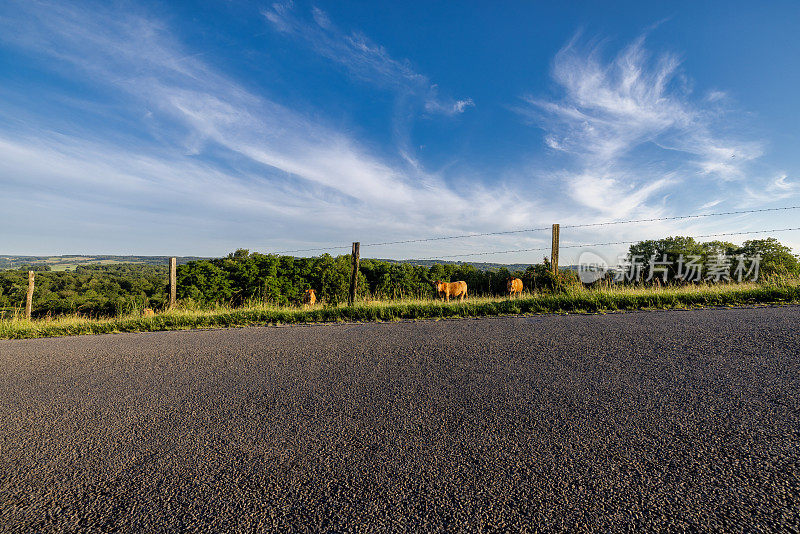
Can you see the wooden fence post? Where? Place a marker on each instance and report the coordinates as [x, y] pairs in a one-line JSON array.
[[29, 299], [554, 252], [173, 276], [356, 259]]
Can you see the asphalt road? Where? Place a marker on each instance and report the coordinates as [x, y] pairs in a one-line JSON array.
[[654, 420]]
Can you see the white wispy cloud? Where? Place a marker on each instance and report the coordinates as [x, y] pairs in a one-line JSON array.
[[295, 165], [716, 96], [454, 108], [711, 204], [212, 158], [778, 188], [632, 129], [363, 58]]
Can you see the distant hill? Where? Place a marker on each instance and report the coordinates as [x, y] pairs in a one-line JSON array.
[[70, 261], [481, 266]]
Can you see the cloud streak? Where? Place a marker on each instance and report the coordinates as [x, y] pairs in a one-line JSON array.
[[235, 151], [630, 129], [361, 57], [210, 157]]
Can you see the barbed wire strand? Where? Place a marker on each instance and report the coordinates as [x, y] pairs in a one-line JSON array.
[[525, 230], [600, 244]]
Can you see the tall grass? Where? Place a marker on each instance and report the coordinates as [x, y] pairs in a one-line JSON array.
[[572, 300]]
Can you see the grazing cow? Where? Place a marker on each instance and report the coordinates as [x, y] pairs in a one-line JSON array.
[[514, 286], [310, 297], [451, 289]]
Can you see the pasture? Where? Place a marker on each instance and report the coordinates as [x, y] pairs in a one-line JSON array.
[[572, 300]]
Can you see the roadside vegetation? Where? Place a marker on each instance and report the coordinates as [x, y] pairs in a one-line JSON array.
[[248, 289], [576, 299]]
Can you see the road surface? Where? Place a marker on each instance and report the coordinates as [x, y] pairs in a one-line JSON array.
[[661, 420]]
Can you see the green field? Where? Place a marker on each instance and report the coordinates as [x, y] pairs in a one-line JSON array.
[[69, 262], [107, 294], [70, 266], [574, 300]]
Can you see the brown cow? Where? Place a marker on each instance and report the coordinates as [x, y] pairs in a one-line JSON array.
[[451, 289], [514, 286], [310, 297]]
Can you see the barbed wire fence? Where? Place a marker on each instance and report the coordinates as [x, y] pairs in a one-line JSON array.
[[540, 229], [555, 239], [355, 247]]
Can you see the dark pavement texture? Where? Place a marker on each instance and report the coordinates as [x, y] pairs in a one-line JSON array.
[[668, 421]]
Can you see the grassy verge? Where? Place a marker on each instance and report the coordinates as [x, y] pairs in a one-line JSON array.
[[577, 300]]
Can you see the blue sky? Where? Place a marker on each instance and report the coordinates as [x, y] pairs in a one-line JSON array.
[[198, 128]]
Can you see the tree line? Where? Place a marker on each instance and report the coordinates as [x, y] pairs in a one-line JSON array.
[[243, 277], [671, 255], [94, 290]]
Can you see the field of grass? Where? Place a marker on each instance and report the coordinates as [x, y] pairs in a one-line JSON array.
[[70, 262], [578, 300]]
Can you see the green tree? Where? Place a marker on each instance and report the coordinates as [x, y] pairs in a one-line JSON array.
[[776, 259]]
